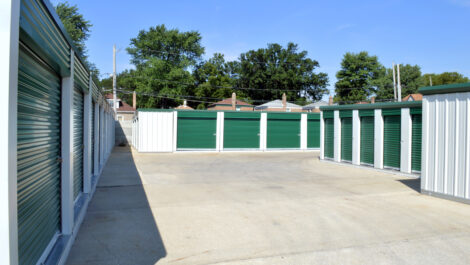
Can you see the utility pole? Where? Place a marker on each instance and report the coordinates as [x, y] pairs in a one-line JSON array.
[[114, 79], [394, 84], [430, 81], [398, 82]]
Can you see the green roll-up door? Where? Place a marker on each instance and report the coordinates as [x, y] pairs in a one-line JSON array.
[[77, 142], [92, 138], [367, 140], [392, 139], [283, 130], [346, 139], [241, 130], [38, 153], [196, 130], [416, 142], [329, 135], [313, 130]]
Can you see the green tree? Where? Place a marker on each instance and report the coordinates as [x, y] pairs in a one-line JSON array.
[[275, 70], [76, 25], [163, 58], [444, 78], [411, 81], [79, 30], [358, 77], [215, 79]]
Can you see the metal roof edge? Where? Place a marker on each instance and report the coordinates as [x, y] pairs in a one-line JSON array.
[[388, 105], [444, 89]]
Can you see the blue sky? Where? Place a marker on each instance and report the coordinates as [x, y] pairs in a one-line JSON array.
[[433, 34]]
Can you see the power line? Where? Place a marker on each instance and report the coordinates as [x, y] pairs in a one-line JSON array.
[[181, 97]]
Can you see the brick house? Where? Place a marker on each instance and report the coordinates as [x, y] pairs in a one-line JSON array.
[[231, 104]]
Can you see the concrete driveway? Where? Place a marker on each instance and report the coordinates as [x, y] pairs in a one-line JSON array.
[[264, 208]]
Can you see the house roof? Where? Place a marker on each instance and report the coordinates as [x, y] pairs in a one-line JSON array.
[[228, 101], [315, 105], [183, 107], [278, 104], [123, 106], [413, 97]]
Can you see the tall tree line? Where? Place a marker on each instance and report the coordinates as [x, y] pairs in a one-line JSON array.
[[362, 76], [169, 68]]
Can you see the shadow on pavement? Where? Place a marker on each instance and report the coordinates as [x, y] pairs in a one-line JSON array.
[[414, 184], [119, 227]]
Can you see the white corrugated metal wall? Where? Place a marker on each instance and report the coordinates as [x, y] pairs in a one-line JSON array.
[[446, 145]]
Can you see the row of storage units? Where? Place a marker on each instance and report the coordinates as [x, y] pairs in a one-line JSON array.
[[169, 131], [60, 133], [383, 135]]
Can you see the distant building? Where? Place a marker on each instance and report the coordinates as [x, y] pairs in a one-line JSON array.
[[184, 106], [315, 106], [279, 105], [124, 112], [231, 104], [124, 115], [413, 97]]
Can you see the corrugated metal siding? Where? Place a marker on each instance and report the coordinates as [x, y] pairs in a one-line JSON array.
[[241, 129], [446, 170], [329, 135], [392, 141], [367, 139], [38, 152], [328, 114], [92, 137], [196, 130], [77, 142], [157, 135], [39, 29], [80, 77], [313, 133], [345, 114], [346, 139], [283, 130], [416, 137], [366, 113]]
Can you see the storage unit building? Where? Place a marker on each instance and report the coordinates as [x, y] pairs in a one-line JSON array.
[[197, 130], [416, 138], [329, 134], [164, 130], [445, 157], [346, 135], [313, 130], [392, 138], [367, 137], [283, 131], [378, 135], [47, 154], [241, 130]]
